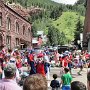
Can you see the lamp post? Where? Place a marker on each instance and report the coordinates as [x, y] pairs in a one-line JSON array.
[[81, 39]]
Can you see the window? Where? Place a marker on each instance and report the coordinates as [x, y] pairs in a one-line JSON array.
[[17, 27], [8, 41], [23, 30], [29, 32], [0, 19], [8, 23], [17, 41]]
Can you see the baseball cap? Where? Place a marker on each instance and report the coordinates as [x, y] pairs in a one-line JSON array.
[[10, 68]]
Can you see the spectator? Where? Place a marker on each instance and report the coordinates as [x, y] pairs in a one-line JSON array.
[[88, 80], [77, 85], [0, 72], [35, 82], [55, 83], [66, 80], [8, 83]]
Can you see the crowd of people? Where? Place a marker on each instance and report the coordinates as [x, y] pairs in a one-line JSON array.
[[38, 72]]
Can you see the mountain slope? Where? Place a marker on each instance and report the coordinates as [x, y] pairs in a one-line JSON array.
[[81, 2], [44, 2], [67, 23]]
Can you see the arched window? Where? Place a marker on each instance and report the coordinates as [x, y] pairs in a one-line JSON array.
[[0, 19], [8, 23], [29, 31], [23, 30], [17, 41], [17, 27], [8, 41]]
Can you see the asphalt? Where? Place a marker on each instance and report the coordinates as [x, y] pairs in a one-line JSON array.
[[76, 77]]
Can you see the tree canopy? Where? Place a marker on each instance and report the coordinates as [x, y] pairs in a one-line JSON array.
[[61, 23]]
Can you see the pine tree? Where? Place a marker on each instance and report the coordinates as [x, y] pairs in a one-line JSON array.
[[79, 29], [52, 35]]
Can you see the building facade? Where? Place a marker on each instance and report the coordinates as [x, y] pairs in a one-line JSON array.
[[86, 32], [15, 30]]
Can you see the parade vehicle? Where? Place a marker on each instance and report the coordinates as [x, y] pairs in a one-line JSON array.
[[38, 50], [62, 48], [23, 77]]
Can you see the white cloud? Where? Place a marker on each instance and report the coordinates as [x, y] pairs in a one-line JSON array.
[[65, 1]]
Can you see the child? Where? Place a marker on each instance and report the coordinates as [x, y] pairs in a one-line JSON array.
[[55, 83]]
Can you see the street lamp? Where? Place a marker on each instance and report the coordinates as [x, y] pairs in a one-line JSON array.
[[81, 39]]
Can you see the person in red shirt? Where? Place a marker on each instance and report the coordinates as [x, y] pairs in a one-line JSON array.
[[40, 66], [19, 64], [64, 61], [32, 64]]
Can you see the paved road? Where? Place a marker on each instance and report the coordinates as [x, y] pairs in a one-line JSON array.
[[76, 77], [55, 70]]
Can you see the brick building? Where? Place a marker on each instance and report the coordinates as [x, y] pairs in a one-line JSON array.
[[15, 30], [86, 32]]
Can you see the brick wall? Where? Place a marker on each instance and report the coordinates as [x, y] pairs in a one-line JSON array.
[[14, 17], [86, 32]]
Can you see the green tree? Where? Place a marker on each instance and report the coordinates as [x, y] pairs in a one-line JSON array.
[[61, 38], [34, 31], [80, 2], [78, 30], [52, 35], [56, 37], [56, 12]]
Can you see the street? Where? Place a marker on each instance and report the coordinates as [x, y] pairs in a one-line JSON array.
[[37, 34], [76, 77]]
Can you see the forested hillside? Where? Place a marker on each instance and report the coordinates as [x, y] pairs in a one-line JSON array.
[[81, 2], [58, 21], [68, 27]]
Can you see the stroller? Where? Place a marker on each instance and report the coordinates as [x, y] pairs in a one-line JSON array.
[[23, 77]]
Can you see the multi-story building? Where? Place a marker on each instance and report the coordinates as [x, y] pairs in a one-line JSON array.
[[15, 30], [86, 32]]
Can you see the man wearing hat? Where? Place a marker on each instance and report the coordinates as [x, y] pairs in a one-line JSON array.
[[8, 83]]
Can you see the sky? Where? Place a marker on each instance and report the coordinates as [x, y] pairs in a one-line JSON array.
[[66, 1]]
